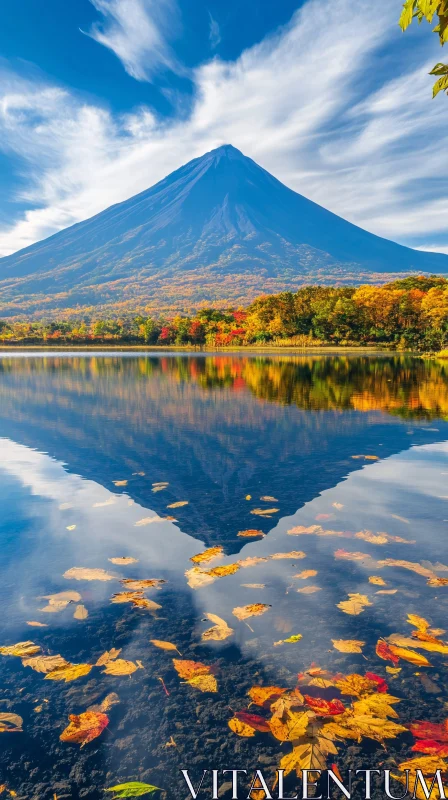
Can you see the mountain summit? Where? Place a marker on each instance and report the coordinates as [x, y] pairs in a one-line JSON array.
[[218, 230]]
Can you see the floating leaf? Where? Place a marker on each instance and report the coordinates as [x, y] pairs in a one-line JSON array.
[[120, 483], [295, 554], [109, 655], [254, 720], [431, 647], [254, 610], [57, 602], [259, 695], [348, 555], [179, 504], [197, 577], [123, 560], [164, 645], [81, 612], [120, 667], [254, 585], [355, 684], [418, 622], [20, 649], [376, 728], [205, 683], [339, 506], [309, 755], [437, 731], [69, 673], [355, 604], [137, 599], [410, 655], [410, 565], [376, 705], [240, 728], [85, 574], [393, 670], [291, 726], [208, 555], [147, 521], [348, 645], [220, 630], [137, 585], [291, 640], [10, 722], [387, 591], [132, 789], [302, 529], [188, 669], [45, 664], [325, 708], [377, 580], [251, 561], [264, 512], [83, 728], [251, 533], [384, 651], [306, 573], [34, 624], [309, 590]]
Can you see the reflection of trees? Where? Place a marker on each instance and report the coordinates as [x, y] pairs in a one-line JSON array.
[[401, 385]]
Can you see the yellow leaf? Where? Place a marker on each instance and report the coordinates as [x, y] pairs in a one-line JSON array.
[[34, 624], [220, 630], [71, 527], [302, 529], [431, 647], [7, 720], [109, 655], [45, 664], [308, 755], [355, 604], [208, 555], [240, 728], [289, 727], [20, 649], [309, 589], [251, 533], [81, 612], [355, 684], [306, 573], [70, 673], [418, 622], [248, 497], [123, 560], [377, 581], [296, 554], [251, 561], [205, 683], [348, 645], [119, 667], [84, 574], [376, 705], [134, 584], [368, 536], [376, 728], [197, 577], [284, 703], [290, 640], [387, 591], [179, 504], [164, 645], [264, 512], [413, 567], [254, 610], [410, 655], [57, 602], [393, 670], [260, 694], [120, 483]]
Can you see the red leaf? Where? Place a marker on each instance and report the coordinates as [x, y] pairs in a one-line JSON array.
[[430, 747], [381, 683], [325, 708], [254, 720], [437, 731], [383, 651]]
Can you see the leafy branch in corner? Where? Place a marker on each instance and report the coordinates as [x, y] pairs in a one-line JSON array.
[[429, 9]]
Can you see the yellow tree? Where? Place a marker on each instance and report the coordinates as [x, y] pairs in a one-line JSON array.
[[430, 10]]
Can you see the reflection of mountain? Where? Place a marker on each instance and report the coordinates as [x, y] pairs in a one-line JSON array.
[[195, 423]]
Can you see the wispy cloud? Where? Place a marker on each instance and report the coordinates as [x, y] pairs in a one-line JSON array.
[[137, 31], [214, 33], [305, 103]]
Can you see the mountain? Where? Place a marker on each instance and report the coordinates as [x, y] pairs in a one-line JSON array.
[[218, 230]]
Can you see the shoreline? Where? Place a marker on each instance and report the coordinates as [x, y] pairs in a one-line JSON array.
[[16, 347]]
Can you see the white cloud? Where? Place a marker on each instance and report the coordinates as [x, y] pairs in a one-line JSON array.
[[305, 104], [137, 32]]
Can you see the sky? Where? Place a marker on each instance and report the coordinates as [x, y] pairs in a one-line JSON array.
[[100, 99]]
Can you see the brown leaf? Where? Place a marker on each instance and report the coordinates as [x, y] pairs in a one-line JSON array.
[[253, 610], [45, 664], [220, 630], [348, 645], [85, 574], [123, 560], [83, 728]]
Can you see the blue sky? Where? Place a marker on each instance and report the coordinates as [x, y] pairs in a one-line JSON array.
[[99, 99]]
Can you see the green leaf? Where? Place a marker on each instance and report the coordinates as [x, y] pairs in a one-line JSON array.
[[132, 789]]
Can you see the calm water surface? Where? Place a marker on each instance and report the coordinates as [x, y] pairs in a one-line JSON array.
[[355, 446]]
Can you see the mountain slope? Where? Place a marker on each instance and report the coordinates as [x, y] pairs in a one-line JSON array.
[[220, 229]]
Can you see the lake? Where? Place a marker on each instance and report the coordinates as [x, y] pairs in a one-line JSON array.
[[117, 470]]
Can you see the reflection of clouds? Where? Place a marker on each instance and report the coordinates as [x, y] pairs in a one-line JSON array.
[[106, 527]]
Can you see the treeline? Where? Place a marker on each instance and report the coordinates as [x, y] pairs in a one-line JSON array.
[[408, 313]]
